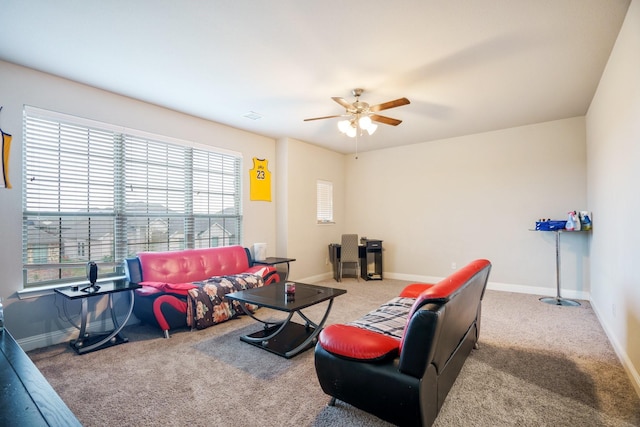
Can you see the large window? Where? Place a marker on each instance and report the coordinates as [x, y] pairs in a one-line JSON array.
[[94, 192]]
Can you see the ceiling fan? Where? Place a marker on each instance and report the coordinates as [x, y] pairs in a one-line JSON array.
[[360, 115]]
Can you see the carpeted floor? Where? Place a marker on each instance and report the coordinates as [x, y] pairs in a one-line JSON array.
[[538, 365]]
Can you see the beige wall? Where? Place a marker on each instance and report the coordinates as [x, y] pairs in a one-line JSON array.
[[20, 86], [454, 200], [613, 149], [300, 236]]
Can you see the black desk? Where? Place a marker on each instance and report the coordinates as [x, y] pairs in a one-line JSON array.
[[370, 254], [86, 342], [276, 260], [26, 398]]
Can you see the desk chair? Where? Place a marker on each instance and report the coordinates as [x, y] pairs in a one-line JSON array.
[[349, 254]]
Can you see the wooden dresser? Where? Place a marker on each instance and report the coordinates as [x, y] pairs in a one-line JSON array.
[[26, 398]]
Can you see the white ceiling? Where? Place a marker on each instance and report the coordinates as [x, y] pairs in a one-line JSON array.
[[466, 66]]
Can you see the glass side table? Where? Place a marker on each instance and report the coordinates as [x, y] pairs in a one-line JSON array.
[[273, 261], [89, 342], [558, 300]]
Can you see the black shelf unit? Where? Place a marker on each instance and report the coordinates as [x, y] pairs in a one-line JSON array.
[[371, 259]]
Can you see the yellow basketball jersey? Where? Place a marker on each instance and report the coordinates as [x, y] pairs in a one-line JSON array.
[[5, 144], [260, 180]]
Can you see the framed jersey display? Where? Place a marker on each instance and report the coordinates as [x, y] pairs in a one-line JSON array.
[[260, 181]]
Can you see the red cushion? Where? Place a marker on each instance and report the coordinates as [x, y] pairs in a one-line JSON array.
[[357, 343], [145, 291], [260, 270], [171, 288], [191, 265], [412, 291]]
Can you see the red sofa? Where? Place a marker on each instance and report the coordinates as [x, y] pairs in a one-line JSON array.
[[167, 278], [399, 361]]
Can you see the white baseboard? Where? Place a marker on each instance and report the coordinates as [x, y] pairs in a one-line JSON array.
[[633, 374], [66, 335], [314, 279], [535, 290], [496, 286], [412, 277], [45, 340]]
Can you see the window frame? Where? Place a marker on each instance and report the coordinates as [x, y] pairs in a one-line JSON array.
[[212, 179], [324, 202]]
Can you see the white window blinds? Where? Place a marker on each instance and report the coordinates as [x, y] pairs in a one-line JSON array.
[[324, 202], [93, 192]]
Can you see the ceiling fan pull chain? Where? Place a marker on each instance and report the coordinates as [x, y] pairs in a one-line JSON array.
[[356, 145]]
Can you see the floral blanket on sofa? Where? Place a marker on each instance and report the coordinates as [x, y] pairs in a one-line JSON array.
[[207, 305]]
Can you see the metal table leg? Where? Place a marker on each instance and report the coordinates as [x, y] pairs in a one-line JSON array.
[[287, 338], [558, 300], [86, 343], [286, 275]]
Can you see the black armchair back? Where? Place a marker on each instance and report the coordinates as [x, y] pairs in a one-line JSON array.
[[442, 329]]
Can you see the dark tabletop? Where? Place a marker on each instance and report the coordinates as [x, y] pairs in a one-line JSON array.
[[105, 288], [274, 296], [273, 260]]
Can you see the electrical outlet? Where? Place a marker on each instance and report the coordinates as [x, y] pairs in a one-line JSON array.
[[326, 261], [453, 265]]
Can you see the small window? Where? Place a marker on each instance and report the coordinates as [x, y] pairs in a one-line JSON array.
[[324, 191]]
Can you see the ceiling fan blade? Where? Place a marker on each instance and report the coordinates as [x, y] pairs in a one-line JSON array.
[[342, 102], [385, 120], [320, 118], [390, 104]]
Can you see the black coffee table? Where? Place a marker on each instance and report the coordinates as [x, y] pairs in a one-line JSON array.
[[286, 338]]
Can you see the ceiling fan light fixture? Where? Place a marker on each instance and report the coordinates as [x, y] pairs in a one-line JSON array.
[[365, 122], [360, 116]]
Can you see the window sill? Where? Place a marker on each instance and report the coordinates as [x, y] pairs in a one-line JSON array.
[[39, 291]]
